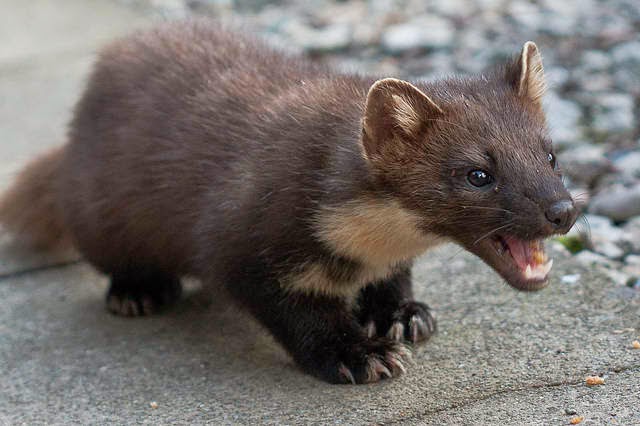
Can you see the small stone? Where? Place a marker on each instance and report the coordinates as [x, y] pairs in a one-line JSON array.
[[558, 25], [556, 76], [330, 38], [633, 270], [609, 249], [627, 53], [153, 405], [603, 237], [589, 258], [635, 344], [563, 117], [613, 113], [632, 259], [426, 33], [632, 230], [570, 278], [628, 164], [626, 71], [619, 204], [595, 60], [441, 63], [592, 81], [576, 420], [585, 163], [618, 277], [570, 412], [453, 8], [525, 14]]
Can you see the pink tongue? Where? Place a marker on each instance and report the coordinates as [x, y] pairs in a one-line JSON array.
[[520, 251]]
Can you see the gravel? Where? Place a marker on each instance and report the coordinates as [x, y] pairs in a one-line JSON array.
[[425, 33], [613, 112]]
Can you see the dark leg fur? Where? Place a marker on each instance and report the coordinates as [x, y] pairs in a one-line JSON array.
[[387, 309], [136, 293], [321, 333]]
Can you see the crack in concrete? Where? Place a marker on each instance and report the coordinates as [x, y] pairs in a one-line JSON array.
[[455, 406], [23, 272]]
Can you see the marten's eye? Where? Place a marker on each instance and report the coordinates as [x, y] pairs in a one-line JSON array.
[[552, 160], [479, 178]]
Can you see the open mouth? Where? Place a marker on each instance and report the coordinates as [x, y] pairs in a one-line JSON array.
[[524, 264]]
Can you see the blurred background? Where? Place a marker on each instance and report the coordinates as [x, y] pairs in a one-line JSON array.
[[591, 52]]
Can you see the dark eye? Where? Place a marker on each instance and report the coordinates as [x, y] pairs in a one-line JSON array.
[[479, 178], [552, 160]]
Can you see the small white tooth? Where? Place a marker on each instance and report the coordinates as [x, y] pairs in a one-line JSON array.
[[547, 267], [527, 272]]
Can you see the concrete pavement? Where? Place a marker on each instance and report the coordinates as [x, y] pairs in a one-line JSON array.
[[501, 357]]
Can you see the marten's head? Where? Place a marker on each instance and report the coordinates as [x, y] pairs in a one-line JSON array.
[[474, 159]]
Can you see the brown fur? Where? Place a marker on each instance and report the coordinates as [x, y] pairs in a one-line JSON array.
[[130, 187], [29, 209], [198, 151]]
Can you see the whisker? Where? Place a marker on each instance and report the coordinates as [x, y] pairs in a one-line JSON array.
[[487, 208], [492, 231], [583, 220]]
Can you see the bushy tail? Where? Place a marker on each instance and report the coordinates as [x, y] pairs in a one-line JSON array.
[[29, 209]]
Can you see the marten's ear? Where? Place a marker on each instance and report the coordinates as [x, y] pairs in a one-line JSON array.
[[526, 75], [394, 108]]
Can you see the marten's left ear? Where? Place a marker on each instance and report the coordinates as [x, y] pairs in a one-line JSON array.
[[527, 74], [395, 109]]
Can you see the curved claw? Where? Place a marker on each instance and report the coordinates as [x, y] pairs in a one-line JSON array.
[[346, 373]]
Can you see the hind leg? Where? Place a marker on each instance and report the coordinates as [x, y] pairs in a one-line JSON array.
[[141, 292]]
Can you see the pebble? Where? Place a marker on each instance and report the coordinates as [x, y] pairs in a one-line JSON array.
[[632, 230], [525, 13], [613, 112], [563, 117], [620, 204], [330, 38], [628, 164], [601, 236], [618, 277], [627, 53], [556, 76], [570, 278], [426, 33], [584, 163], [589, 258], [595, 60]]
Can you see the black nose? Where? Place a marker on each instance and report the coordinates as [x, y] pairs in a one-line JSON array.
[[562, 214]]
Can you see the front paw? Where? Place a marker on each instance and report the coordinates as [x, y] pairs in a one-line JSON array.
[[412, 321], [370, 361]]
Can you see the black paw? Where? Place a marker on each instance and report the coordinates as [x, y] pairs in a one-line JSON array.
[[412, 321], [134, 298], [369, 361]]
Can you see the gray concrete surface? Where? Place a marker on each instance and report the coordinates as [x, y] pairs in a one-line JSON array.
[[501, 357]]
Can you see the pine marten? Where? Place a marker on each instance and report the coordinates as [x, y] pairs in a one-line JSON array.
[[305, 192]]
